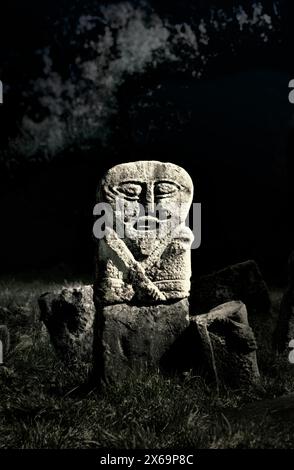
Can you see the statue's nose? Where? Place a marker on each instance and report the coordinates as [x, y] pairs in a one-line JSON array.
[[150, 198]]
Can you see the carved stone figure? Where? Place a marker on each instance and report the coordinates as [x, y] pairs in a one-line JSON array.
[[143, 266], [140, 317], [144, 255]]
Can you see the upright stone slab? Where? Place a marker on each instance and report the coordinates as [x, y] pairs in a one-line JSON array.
[[69, 317], [223, 344], [143, 265]]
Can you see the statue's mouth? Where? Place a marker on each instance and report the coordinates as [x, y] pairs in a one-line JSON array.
[[149, 223]]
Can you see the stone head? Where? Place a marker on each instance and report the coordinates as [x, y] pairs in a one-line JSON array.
[[147, 195]]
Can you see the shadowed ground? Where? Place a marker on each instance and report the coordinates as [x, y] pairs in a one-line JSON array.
[[41, 405]]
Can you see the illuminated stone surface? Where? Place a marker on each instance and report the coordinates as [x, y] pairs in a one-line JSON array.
[[152, 262], [143, 267]]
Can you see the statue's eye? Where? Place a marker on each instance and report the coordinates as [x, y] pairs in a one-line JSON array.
[[165, 189], [130, 190]]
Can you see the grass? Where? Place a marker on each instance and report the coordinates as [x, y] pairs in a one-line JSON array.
[[41, 406]]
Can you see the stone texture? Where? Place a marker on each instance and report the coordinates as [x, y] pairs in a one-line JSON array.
[[69, 316], [140, 320], [133, 338], [144, 255], [143, 267], [219, 345], [5, 342], [242, 281], [223, 344], [284, 332]]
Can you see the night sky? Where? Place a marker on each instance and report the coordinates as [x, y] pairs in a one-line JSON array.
[[88, 85]]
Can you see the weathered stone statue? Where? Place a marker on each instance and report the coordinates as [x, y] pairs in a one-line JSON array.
[[144, 255], [140, 317], [143, 265]]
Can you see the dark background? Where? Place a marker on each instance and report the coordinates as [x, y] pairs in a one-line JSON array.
[[231, 129]]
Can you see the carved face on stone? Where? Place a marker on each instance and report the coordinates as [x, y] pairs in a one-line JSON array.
[[144, 253], [147, 196]]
